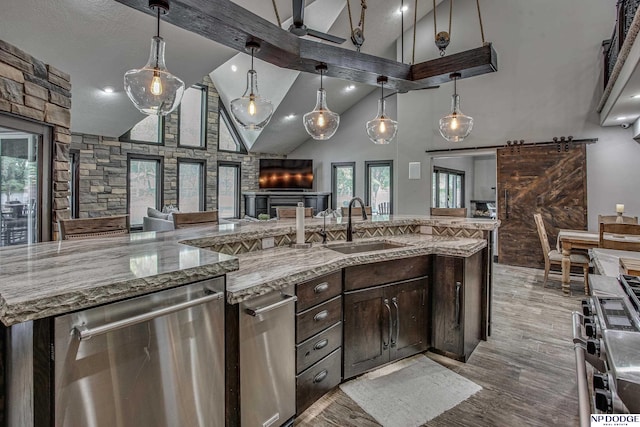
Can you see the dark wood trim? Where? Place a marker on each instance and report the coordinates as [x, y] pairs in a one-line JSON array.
[[204, 111], [74, 190], [232, 364], [334, 181], [516, 144], [231, 25], [202, 205]]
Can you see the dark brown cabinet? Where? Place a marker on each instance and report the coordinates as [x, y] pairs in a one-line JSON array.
[[457, 299], [318, 338], [385, 323]]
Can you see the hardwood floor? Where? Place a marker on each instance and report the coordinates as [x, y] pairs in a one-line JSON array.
[[526, 368]]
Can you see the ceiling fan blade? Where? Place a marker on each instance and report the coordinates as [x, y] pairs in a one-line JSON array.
[[298, 13], [325, 36]]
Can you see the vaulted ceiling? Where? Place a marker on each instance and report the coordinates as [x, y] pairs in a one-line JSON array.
[[96, 41]]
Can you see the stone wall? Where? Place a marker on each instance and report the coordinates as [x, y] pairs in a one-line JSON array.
[[33, 90], [103, 164]]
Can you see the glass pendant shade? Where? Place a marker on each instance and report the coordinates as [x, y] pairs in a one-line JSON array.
[[382, 129], [251, 111], [455, 126], [321, 123], [152, 88]]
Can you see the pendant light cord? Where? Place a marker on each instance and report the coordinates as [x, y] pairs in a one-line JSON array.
[[480, 19], [321, 70], [415, 18], [158, 30], [275, 8], [435, 26], [252, 49]]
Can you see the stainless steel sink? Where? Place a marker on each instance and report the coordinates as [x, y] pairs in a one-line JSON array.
[[357, 247]]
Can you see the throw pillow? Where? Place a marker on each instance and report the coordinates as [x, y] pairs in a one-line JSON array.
[[155, 213]]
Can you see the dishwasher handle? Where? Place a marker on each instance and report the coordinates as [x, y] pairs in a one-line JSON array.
[[261, 310], [83, 332]]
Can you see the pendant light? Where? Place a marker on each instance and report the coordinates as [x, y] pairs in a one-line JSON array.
[[321, 123], [153, 89], [455, 126], [251, 111], [382, 129]]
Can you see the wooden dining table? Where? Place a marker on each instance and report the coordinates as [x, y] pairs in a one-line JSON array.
[[574, 239], [580, 239]]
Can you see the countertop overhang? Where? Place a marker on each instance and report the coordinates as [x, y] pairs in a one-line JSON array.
[[52, 278]]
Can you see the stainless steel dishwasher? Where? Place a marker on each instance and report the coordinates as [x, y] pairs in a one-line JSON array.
[[267, 360], [151, 361]]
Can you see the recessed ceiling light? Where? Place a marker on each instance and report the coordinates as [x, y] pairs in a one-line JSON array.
[[108, 89], [234, 68], [290, 116], [635, 96], [402, 9], [350, 88], [621, 118]]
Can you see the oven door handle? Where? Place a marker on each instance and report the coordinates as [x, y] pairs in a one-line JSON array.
[[584, 405], [83, 332], [575, 326]]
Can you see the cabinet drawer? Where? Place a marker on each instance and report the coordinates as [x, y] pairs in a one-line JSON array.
[[312, 321], [318, 290], [318, 346], [317, 380], [379, 273]]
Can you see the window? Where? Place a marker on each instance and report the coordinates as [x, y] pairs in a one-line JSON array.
[[25, 181], [228, 190], [228, 137], [74, 182], [191, 185], [192, 122], [343, 179], [379, 185], [448, 188], [144, 186], [146, 131]]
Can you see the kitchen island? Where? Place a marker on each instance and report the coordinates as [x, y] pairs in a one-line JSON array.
[[54, 278]]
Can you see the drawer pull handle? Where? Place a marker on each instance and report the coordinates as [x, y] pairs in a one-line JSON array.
[[321, 376], [321, 316], [321, 344], [322, 287]]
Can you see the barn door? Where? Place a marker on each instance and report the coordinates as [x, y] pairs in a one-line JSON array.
[[550, 179]]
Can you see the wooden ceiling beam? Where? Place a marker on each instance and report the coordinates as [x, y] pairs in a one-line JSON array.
[[231, 25]]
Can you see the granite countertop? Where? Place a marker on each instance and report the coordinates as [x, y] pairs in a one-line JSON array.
[[607, 261], [52, 278], [272, 269]]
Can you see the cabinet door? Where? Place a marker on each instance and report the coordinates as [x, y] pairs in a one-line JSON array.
[[448, 305], [366, 330], [409, 325]]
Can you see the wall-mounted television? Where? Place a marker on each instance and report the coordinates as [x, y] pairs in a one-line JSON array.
[[286, 174]]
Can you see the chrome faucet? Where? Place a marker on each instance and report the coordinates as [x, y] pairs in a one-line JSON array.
[[364, 216]]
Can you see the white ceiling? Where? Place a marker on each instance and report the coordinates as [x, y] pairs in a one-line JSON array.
[[96, 41]]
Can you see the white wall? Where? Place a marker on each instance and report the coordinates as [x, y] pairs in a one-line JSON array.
[[484, 178], [547, 84]]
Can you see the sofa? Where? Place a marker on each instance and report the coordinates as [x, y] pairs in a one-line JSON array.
[[157, 220]]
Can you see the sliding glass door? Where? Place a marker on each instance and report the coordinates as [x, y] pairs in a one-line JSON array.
[[19, 192]]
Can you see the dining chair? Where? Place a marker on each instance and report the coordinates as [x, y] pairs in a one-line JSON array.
[[611, 219], [554, 257], [93, 228], [355, 211], [624, 237], [290, 212], [384, 208], [194, 219], [457, 212]]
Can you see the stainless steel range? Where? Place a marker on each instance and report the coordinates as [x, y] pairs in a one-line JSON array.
[[611, 323]]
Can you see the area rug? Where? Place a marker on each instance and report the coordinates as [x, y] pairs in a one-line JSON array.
[[410, 392]]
